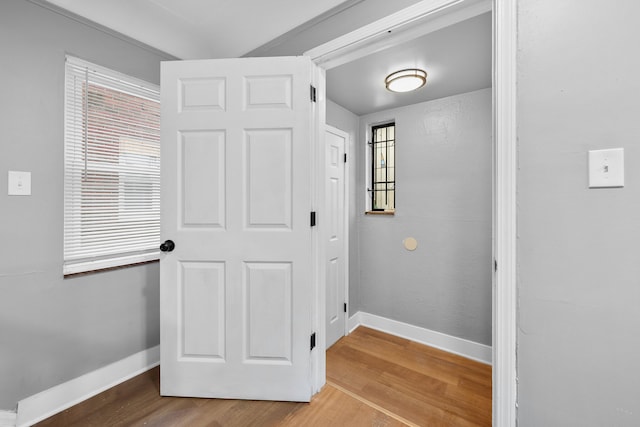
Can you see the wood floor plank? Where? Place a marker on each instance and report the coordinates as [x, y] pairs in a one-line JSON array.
[[422, 383], [373, 379], [333, 407], [375, 345]]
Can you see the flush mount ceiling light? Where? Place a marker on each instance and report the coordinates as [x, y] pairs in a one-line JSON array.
[[406, 80]]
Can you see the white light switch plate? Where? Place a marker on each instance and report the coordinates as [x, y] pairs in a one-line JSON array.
[[606, 168], [19, 183]]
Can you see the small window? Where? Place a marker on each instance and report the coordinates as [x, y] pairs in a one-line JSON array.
[[112, 169], [383, 178]]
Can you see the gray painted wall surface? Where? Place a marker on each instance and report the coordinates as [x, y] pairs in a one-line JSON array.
[[578, 249], [54, 329], [335, 23], [443, 199], [348, 122]]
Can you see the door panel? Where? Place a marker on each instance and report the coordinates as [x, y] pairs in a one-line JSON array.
[[335, 236], [202, 310], [269, 92], [203, 181], [268, 307], [202, 94], [268, 154], [237, 291], [334, 299]]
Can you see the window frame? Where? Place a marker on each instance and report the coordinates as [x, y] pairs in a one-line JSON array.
[[136, 154], [372, 167]]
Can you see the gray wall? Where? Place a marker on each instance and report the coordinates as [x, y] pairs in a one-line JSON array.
[[443, 199], [348, 122], [54, 329], [344, 18], [578, 249]]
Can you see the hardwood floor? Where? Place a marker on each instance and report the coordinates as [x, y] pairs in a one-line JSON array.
[[373, 379]]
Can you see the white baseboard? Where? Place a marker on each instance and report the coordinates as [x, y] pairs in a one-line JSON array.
[[469, 349], [7, 418], [354, 321], [40, 406]]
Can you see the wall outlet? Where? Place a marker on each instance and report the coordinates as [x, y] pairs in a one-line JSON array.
[[19, 183], [606, 168]]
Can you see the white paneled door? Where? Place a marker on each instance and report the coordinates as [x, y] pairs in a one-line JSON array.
[[237, 293], [335, 234]]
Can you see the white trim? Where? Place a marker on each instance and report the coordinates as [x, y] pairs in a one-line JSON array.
[[116, 261], [347, 203], [7, 418], [505, 212], [407, 24], [462, 347], [40, 406], [354, 321], [319, 355]]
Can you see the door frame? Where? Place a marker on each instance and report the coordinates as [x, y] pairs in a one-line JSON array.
[[318, 306], [345, 248], [424, 17]]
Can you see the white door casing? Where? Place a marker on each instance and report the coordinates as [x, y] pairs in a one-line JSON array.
[[335, 236], [424, 17], [427, 16], [237, 295]]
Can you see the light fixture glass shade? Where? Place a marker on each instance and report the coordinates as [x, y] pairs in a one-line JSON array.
[[406, 80]]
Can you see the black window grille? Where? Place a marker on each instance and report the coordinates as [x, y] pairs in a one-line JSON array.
[[383, 181]]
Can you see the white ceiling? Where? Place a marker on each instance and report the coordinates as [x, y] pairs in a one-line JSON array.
[[457, 58], [198, 29]]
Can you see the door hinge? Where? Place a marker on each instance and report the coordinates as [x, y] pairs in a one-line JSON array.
[[313, 94], [313, 219], [345, 157], [313, 341], [345, 307]]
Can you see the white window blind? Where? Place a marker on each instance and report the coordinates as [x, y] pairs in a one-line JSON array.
[[112, 168]]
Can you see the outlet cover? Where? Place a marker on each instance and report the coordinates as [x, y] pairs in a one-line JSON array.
[[606, 168], [19, 183]]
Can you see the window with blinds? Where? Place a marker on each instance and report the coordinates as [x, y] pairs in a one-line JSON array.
[[112, 169]]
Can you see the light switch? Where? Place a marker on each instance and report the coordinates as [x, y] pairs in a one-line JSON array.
[[606, 168], [19, 183]]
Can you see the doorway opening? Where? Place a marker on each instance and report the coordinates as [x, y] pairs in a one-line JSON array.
[[408, 24]]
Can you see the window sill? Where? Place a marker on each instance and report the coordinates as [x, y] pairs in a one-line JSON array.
[[112, 263], [102, 270], [380, 213]]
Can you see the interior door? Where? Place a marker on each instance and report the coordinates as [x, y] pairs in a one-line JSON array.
[[335, 234], [236, 292]]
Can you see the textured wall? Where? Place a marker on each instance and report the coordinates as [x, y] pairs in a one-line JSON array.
[[54, 329], [578, 249], [443, 199]]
